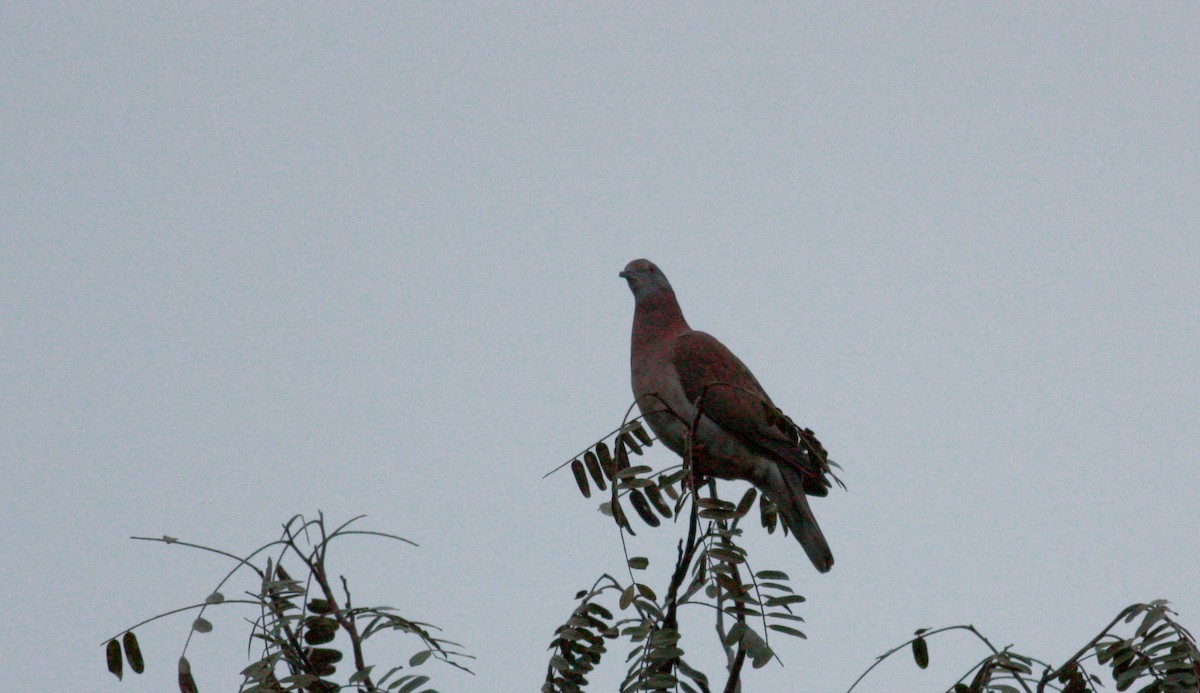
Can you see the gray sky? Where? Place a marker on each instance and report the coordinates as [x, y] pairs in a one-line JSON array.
[[362, 258]]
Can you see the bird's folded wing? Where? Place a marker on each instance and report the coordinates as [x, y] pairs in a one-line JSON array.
[[734, 400]]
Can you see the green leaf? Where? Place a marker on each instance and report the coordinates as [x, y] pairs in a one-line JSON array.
[[628, 472], [920, 650], [714, 514], [785, 629], [783, 600], [113, 654], [413, 684], [655, 495], [419, 658], [734, 634], [639, 563], [771, 575], [133, 653], [362, 674]]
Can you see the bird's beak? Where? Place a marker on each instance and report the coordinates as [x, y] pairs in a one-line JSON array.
[[623, 274]]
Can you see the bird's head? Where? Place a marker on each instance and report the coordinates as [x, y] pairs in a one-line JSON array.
[[645, 279]]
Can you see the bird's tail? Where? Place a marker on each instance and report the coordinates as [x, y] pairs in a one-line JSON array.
[[786, 490]]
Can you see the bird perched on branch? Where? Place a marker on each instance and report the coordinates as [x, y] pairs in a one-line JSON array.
[[741, 434]]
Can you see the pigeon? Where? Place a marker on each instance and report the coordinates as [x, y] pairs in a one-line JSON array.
[[741, 434]]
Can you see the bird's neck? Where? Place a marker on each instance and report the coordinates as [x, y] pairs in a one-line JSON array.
[[657, 317]]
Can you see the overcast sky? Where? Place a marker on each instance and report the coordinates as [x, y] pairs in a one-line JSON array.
[[363, 259]]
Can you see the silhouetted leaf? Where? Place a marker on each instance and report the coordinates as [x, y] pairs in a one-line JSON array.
[[133, 653], [631, 472], [627, 597], [642, 506], [116, 664], [641, 433], [618, 514], [412, 685], [747, 501], [419, 658], [628, 441], [622, 456], [920, 650], [593, 467], [787, 629], [606, 460], [187, 684], [581, 478], [201, 625], [639, 562], [320, 606], [652, 492]]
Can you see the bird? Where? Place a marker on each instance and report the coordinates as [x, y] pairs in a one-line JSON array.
[[741, 434]]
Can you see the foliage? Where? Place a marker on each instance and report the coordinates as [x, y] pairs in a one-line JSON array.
[[297, 621], [1160, 655], [712, 570]]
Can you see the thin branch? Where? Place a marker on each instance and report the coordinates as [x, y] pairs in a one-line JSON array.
[[925, 635], [1084, 650]]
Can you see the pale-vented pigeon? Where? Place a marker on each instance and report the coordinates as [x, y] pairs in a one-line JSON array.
[[741, 434]]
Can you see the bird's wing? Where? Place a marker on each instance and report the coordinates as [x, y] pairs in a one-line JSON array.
[[735, 401]]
